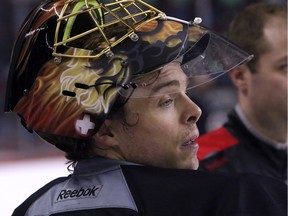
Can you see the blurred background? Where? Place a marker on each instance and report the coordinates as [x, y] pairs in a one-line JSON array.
[[27, 162]]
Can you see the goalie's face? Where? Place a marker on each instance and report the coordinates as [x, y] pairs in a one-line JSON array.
[[159, 130]]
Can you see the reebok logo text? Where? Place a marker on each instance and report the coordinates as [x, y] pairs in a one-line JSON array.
[[86, 192]]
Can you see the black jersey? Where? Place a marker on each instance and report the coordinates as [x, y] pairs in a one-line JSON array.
[[116, 188]]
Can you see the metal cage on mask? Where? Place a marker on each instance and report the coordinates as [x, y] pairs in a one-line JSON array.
[[202, 52], [133, 14]]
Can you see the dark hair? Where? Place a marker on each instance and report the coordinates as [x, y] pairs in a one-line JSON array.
[[82, 149], [246, 29]]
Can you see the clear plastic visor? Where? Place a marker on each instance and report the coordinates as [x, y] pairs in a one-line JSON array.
[[202, 61]]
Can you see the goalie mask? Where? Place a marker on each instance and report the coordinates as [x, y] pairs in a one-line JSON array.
[[74, 58]]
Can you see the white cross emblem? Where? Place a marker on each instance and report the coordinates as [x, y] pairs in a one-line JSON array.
[[84, 125]]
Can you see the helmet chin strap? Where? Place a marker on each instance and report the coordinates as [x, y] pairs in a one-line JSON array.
[[179, 59]]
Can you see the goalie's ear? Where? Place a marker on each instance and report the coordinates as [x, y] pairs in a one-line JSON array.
[[104, 138]]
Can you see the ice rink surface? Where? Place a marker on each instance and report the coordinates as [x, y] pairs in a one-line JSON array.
[[19, 179]]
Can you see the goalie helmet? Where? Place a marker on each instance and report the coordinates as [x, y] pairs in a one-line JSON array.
[[73, 58]]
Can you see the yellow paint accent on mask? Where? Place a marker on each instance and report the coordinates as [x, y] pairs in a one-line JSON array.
[[77, 8]]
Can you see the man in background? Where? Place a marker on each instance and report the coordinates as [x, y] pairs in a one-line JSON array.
[[254, 138]]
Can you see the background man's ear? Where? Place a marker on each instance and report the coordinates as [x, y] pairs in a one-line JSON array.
[[240, 77]]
